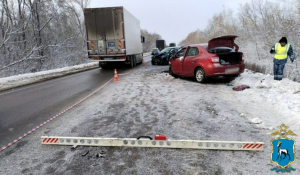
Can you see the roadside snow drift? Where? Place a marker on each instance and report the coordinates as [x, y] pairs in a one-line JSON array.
[[24, 79], [275, 102]]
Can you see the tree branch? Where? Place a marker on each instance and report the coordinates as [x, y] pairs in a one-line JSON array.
[[25, 58]]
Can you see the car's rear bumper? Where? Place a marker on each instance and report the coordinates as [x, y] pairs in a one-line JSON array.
[[217, 69]]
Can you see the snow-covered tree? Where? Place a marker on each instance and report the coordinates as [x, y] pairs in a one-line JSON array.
[[150, 40], [41, 34], [259, 25]]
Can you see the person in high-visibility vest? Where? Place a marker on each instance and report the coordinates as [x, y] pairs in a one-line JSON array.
[[281, 50]]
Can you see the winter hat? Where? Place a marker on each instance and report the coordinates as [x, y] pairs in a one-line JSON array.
[[283, 39]]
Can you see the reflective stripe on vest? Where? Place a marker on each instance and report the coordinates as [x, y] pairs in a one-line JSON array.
[[281, 52]]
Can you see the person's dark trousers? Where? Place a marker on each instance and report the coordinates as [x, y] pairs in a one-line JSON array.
[[278, 68]]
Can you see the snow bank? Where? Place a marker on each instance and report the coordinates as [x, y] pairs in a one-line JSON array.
[[24, 79], [276, 101]]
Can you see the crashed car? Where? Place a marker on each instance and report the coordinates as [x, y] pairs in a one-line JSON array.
[[154, 51], [163, 56], [220, 57]]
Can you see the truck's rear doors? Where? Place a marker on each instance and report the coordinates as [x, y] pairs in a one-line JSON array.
[[105, 31]]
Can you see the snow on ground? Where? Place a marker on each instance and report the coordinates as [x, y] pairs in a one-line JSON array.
[[24, 79], [147, 102], [275, 102]]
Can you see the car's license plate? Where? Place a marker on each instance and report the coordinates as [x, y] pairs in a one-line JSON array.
[[232, 70]]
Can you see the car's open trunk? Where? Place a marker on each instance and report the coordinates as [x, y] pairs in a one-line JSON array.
[[230, 58]]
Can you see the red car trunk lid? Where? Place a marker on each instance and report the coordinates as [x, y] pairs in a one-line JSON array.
[[222, 41]]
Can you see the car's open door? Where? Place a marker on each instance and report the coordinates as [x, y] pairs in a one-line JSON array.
[[177, 62]]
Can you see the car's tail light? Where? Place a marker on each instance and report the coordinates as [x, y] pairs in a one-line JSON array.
[[214, 59]]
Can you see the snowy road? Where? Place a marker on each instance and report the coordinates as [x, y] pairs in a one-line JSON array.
[[25, 107], [155, 103]]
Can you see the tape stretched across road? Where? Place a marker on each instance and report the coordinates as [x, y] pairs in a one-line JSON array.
[[57, 115]]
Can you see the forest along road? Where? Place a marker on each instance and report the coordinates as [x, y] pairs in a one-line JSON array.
[[24, 108]]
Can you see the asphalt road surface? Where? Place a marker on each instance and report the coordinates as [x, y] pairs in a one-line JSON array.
[[22, 109]]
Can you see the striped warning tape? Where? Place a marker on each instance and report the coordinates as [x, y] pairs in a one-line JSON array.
[[120, 44], [50, 140], [252, 146], [92, 45]]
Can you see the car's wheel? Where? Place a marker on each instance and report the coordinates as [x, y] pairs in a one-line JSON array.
[[200, 75], [131, 62], [134, 61], [152, 62], [103, 66], [156, 61], [171, 72]]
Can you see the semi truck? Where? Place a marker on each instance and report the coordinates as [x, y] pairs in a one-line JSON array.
[[113, 36], [160, 44], [172, 45]]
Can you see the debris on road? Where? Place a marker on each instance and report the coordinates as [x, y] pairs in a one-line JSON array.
[[296, 92], [85, 154], [256, 121], [100, 155], [74, 147], [241, 87]]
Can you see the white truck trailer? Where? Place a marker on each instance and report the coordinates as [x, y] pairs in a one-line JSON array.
[[113, 36]]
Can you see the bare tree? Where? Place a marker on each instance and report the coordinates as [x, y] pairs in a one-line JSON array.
[[150, 40]]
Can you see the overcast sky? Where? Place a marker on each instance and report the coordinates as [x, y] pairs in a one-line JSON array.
[[172, 19]]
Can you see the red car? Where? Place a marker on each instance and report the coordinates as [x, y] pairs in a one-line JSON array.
[[220, 57]]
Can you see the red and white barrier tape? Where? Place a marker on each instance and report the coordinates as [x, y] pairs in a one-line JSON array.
[[50, 140], [252, 146]]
